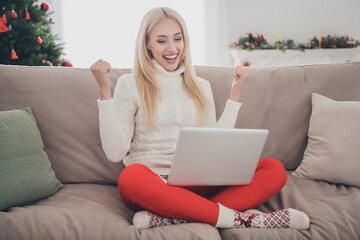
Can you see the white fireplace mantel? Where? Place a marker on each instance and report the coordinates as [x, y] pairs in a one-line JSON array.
[[275, 57]]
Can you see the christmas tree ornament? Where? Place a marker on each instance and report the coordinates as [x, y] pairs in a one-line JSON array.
[[39, 40], [49, 63], [3, 19], [13, 55], [66, 64], [3, 27], [13, 14], [50, 19], [45, 6], [27, 15]]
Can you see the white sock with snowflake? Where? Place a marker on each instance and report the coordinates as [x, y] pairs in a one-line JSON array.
[[284, 218], [146, 220]]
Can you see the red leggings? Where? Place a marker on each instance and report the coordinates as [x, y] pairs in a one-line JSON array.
[[140, 188]]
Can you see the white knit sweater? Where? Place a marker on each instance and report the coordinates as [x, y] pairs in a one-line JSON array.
[[123, 128]]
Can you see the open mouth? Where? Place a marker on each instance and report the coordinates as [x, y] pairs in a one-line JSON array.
[[170, 58]]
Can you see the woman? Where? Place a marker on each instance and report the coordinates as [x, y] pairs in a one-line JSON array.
[[144, 118]]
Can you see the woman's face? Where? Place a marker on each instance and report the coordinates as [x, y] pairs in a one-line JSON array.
[[166, 43]]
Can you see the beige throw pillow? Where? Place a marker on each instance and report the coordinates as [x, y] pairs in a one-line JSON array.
[[333, 150]]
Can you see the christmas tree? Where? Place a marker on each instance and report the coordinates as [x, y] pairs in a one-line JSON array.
[[25, 34]]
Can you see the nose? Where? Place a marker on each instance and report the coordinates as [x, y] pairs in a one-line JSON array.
[[171, 46]]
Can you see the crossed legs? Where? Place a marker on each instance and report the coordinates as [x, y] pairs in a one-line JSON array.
[[140, 188]]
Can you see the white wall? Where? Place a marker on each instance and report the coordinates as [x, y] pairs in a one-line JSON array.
[[57, 26], [299, 20], [107, 29], [225, 21], [216, 32]]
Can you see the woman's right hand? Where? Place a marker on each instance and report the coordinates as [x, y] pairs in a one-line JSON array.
[[100, 70]]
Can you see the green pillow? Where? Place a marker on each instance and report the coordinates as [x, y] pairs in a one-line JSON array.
[[25, 170]]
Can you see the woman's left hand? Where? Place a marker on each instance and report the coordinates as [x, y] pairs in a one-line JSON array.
[[240, 77]]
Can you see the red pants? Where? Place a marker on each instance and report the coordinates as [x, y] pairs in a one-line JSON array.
[[141, 188]]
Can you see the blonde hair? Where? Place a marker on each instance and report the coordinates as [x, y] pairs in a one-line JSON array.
[[144, 69]]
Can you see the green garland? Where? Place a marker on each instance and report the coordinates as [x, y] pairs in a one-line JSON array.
[[251, 42]]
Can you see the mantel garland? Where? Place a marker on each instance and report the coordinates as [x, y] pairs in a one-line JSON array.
[[258, 42]]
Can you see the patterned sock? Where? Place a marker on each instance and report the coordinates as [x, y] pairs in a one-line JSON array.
[[146, 220], [284, 218]]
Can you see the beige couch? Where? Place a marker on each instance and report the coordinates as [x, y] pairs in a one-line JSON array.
[[63, 101]]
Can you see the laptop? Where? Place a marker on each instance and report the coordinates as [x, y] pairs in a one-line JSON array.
[[216, 156]]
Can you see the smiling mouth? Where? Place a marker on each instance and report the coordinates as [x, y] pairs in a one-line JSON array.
[[170, 58]]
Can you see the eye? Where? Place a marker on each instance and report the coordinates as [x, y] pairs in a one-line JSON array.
[[160, 41], [178, 39]]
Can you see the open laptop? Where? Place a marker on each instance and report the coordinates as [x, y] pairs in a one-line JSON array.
[[216, 156]]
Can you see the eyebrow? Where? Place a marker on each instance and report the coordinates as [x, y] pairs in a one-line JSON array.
[[179, 33]]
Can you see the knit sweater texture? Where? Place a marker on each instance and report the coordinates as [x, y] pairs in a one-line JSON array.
[[123, 132]]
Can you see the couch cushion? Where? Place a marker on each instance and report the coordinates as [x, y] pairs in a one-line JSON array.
[[25, 169], [279, 99], [333, 210], [88, 211], [63, 101]]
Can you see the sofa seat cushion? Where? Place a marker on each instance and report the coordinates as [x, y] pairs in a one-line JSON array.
[[333, 209], [88, 211]]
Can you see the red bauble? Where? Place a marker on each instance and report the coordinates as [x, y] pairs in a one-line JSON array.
[[27, 15], [50, 19], [45, 6], [13, 55], [49, 63], [66, 64], [13, 14], [39, 40]]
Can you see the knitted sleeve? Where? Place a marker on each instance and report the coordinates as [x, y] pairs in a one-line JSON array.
[[116, 117], [229, 115]]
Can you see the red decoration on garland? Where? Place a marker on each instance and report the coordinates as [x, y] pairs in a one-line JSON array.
[[3, 19], [50, 20], [246, 64], [66, 64], [27, 15], [39, 40], [13, 14], [45, 6], [13, 55]]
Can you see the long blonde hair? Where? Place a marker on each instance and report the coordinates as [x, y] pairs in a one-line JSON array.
[[144, 69]]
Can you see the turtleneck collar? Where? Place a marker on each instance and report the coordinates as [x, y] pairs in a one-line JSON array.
[[166, 77]]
